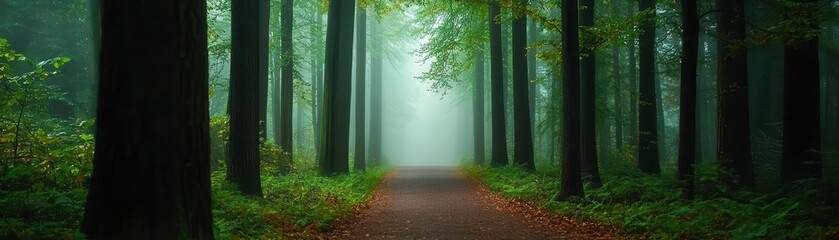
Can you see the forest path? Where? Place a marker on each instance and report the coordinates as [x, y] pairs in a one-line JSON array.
[[443, 203]]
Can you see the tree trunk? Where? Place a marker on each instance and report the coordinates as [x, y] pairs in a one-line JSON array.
[[287, 82], [687, 110], [647, 105], [571, 173], [360, 103], [337, 86], [618, 95], [264, 17], [243, 169], [588, 137], [478, 108], [151, 174], [523, 146], [532, 35], [275, 79], [499, 138], [376, 94], [733, 124], [317, 110], [314, 61], [633, 91], [633, 96], [801, 153]]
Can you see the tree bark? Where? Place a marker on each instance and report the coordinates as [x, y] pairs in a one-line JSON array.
[[532, 35], [588, 139], [478, 108], [633, 134], [317, 101], [277, 66], [687, 110], [571, 184], [733, 120], [499, 132], [264, 17], [151, 169], [337, 87], [375, 147], [523, 146], [648, 160], [360, 75], [618, 98], [801, 151], [243, 169], [287, 82]]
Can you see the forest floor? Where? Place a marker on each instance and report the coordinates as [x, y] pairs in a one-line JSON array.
[[443, 203]]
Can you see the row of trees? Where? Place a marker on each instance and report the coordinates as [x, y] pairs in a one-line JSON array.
[[152, 167], [570, 43]]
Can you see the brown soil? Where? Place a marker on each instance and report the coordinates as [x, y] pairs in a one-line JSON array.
[[442, 203]]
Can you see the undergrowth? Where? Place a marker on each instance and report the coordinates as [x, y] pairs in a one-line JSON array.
[[294, 205], [652, 206]]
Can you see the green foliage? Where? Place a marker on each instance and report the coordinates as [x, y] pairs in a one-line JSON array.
[[36, 150], [294, 205], [49, 214], [644, 205], [456, 31], [275, 161], [45, 162], [219, 135]]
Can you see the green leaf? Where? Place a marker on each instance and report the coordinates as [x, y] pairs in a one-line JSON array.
[[86, 137]]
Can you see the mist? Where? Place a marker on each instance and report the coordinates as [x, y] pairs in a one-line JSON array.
[[430, 136]]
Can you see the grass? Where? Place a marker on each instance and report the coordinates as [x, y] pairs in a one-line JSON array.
[[295, 205], [652, 206]]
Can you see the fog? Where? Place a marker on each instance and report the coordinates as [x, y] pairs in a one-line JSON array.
[[432, 136], [421, 127]]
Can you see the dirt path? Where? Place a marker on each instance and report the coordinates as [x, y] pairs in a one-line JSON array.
[[442, 203]]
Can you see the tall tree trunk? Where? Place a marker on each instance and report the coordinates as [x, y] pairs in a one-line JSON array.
[[317, 110], [633, 91], [360, 75], [588, 139], [264, 17], [618, 95], [633, 96], [662, 131], [287, 82], [478, 108], [243, 169], [571, 184], [298, 126], [376, 55], [337, 86], [604, 138], [523, 146], [314, 30], [801, 156], [701, 97], [708, 132], [276, 75], [151, 174], [532, 35], [734, 141], [96, 44], [499, 132], [687, 110], [647, 105]]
